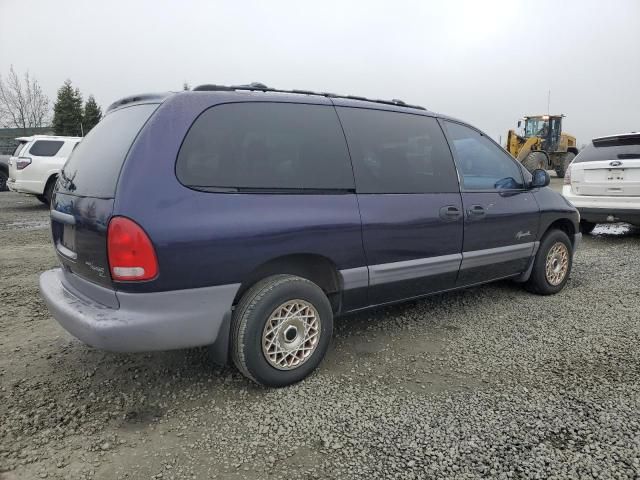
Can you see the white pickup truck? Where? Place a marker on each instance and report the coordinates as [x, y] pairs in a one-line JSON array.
[[36, 163]]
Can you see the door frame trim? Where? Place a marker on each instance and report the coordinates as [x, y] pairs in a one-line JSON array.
[[411, 269], [490, 256], [384, 273]]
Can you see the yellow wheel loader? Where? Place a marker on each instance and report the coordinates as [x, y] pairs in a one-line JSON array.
[[543, 144]]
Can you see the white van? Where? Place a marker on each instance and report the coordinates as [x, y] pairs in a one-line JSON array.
[[36, 163]]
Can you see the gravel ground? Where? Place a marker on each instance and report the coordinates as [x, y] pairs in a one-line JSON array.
[[491, 382]]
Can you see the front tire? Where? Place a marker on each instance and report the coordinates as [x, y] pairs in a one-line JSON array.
[[281, 330], [535, 161], [552, 265]]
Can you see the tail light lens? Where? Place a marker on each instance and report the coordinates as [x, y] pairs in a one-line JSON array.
[[567, 176], [130, 251], [23, 162]]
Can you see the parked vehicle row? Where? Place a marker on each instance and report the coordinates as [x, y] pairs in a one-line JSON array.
[[603, 181], [4, 172], [36, 163], [247, 218]]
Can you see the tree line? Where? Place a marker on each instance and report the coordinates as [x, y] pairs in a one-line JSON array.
[[23, 104]]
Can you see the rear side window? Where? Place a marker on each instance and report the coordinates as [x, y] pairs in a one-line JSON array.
[[624, 148], [395, 152], [94, 166], [245, 146], [482, 164], [46, 148]]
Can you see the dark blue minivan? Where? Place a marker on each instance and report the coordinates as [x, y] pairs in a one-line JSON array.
[[247, 218]]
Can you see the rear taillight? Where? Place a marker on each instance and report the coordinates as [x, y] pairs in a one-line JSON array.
[[130, 251], [23, 162], [567, 176]]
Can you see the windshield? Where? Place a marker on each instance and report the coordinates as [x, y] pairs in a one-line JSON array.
[[536, 127]]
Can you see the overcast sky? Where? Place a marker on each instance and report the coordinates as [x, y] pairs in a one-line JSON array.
[[488, 62]]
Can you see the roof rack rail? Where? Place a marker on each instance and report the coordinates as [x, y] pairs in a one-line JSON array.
[[261, 87]]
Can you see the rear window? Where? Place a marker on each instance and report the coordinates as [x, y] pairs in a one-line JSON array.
[[94, 166], [265, 146], [46, 148], [623, 148]]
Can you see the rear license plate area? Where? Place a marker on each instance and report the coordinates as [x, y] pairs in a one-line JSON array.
[[615, 175], [69, 237]]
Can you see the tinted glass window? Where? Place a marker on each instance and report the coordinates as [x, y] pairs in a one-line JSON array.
[[46, 148], [266, 146], [398, 153], [94, 166], [20, 146], [481, 163], [627, 148]]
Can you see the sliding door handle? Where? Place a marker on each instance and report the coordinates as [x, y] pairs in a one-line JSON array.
[[476, 211], [450, 213]]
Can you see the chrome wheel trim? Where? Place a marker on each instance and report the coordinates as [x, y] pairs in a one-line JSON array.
[[291, 334], [557, 264]]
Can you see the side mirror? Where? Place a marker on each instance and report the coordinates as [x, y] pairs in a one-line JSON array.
[[540, 178], [519, 123]]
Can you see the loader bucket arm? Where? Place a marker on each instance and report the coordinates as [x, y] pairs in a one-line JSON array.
[[526, 148]]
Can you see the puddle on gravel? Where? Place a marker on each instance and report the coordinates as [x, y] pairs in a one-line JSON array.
[[25, 225]]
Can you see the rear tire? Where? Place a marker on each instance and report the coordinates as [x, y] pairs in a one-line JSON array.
[[561, 168], [586, 227], [552, 265], [3, 182], [535, 161], [48, 191], [281, 330]]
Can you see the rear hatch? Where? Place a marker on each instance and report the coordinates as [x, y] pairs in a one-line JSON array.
[[609, 166], [22, 141], [83, 203]]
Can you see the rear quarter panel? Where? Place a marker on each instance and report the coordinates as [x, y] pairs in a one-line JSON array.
[[205, 239]]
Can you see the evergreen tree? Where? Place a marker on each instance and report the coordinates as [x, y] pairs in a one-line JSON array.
[[67, 111], [92, 114]]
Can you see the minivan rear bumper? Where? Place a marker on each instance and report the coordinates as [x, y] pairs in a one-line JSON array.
[[144, 321]]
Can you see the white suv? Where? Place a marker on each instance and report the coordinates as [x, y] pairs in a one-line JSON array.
[[603, 181], [36, 162]]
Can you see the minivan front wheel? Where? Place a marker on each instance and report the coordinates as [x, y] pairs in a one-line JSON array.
[[281, 330], [552, 265]]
